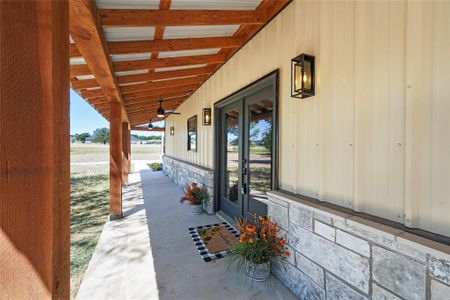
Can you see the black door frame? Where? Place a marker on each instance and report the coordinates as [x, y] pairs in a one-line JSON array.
[[271, 79]]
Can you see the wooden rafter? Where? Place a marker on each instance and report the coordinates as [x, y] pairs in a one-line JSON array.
[[79, 70], [183, 89], [151, 86], [167, 45], [85, 29], [165, 75], [164, 5], [164, 17], [155, 129], [92, 83]]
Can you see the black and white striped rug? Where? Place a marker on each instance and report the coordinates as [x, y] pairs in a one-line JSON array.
[[201, 246]]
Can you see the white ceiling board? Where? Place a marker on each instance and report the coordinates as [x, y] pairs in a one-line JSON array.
[[133, 56], [188, 52], [85, 77], [117, 34], [215, 4], [77, 61], [180, 32], [179, 68], [131, 72], [127, 4]]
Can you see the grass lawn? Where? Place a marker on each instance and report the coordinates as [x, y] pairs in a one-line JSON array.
[[89, 202], [89, 211]]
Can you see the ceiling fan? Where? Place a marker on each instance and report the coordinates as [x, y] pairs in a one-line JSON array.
[[160, 112], [150, 125]]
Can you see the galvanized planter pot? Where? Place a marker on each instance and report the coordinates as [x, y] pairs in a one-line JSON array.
[[196, 209], [258, 272]]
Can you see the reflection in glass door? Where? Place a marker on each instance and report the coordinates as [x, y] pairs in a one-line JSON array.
[[258, 152], [231, 197]]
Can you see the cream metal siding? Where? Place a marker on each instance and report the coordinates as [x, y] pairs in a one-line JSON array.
[[376, 137]]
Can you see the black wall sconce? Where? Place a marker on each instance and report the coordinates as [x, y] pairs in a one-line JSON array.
[[207, 116], [303, 76], [172, 130]]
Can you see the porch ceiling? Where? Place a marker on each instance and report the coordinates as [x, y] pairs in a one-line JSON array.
[[136, 52]]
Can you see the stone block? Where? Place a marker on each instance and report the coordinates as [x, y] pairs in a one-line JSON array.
[[278, 214], [300, 216], [291, 258], [398, 273], [378, 293], [439, 291], [323, 218], [372, 231], [439, 269], [324, 230], [300, 284], [353, 243], [337, 290], [349, 266], [314, 271]]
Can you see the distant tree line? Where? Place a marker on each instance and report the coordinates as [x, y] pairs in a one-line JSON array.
[[101, 135]]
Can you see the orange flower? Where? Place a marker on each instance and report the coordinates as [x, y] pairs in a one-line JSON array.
[[251, 228]]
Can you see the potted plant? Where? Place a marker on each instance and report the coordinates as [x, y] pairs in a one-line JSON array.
[[195, 195], [258, 244]]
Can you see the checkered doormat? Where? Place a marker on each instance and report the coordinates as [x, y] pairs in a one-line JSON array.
[[200, 244]]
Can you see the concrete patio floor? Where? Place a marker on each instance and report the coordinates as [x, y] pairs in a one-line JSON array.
[[150, 255]]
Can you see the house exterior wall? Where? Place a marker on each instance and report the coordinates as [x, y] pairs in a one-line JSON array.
[[183, 173], [375, 138], [338, 256]]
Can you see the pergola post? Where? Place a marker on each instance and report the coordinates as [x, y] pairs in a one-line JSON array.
[[34, 151], [125, 155], [115, 144], [129, 151]]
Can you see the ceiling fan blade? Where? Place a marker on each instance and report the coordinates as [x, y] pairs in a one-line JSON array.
[[172, 113]]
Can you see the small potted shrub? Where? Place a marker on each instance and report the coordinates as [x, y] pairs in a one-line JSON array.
[[257, 245], [195, 195]]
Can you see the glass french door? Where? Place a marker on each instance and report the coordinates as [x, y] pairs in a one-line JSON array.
[[246, 159]]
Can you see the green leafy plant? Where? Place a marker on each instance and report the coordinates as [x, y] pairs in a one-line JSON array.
[[156, 166], [194, 194]]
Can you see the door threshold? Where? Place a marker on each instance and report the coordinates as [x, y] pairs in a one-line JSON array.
[[225, 217]]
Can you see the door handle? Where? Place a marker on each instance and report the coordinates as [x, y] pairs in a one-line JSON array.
[[244, 189], [244, 171]]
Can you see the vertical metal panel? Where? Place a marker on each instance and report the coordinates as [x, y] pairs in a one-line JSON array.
[[366, 141]]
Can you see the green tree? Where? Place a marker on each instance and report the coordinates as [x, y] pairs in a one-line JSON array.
[[81, 137], [101, 135]]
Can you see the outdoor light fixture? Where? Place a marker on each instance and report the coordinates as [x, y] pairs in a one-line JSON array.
[[207, 116], [172, 130], [302, 73]]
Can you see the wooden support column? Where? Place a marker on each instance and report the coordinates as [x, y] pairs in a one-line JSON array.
[[34, 150], [129, 151], [115, 168], [125, 141]]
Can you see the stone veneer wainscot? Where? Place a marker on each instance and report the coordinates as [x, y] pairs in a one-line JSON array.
[[182, 173], [335, 255]]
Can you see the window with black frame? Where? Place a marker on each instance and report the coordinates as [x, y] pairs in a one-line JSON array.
[[192, 134]]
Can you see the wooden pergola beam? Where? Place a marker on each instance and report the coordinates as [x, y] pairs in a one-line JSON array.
[[80, 70], [85, 29], [160, 93], [151, 86], [159, 30], [145, 17], [166, 45], [155, 129], [165, 75]]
